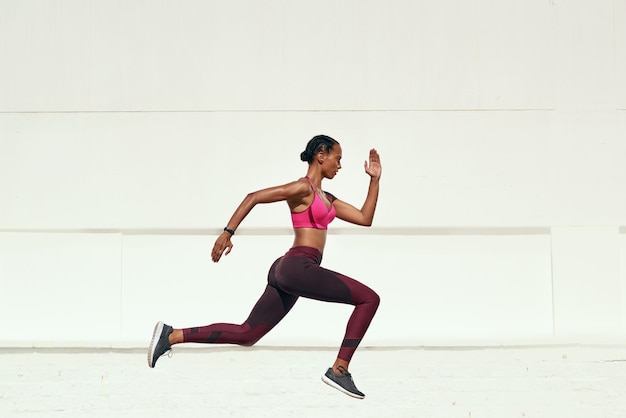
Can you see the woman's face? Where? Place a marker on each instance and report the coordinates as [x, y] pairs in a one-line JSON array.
[[332, 162]]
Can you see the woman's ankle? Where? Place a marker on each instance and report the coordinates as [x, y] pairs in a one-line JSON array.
[[176, 337], [340, 366]]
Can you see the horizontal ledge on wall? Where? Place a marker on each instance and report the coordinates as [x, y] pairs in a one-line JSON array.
[[408, 231], [486, 109]]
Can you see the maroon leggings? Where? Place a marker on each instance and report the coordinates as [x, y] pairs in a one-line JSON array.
[[297, 273]]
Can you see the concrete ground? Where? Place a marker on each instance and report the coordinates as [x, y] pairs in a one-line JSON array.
[[211, 381]]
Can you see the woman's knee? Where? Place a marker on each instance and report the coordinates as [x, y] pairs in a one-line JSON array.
[[252, 335], [249, 342], [370, 298], [375, 299]]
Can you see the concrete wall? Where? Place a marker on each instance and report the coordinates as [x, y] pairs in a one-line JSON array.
[[130, 130]]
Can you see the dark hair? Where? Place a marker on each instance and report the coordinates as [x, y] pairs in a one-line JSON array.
[[318, 143]]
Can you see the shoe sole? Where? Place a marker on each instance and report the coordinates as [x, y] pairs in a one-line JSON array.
[[339, 388], [158, 329]]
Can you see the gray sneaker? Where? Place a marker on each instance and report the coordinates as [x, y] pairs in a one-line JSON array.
[[342, 382], [160, 343]]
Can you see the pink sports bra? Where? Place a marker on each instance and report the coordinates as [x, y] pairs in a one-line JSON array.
[[317, 215]]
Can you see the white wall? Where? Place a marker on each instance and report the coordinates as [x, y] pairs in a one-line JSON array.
[[129, 132]]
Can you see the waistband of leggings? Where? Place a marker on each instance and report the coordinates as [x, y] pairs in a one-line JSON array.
[[309, 252]]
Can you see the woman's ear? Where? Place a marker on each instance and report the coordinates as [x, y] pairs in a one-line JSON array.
[[320, 157]]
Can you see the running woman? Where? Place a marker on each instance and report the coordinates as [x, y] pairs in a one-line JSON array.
[[298, 272]]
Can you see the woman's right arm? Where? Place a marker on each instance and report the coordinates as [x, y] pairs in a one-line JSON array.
[[293, 191]]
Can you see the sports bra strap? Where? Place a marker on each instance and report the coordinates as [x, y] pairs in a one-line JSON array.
[[311, 183]]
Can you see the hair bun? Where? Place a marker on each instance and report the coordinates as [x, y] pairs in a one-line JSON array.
[[318, 143]]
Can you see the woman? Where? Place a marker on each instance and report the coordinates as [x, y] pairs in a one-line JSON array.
[[298, 272]]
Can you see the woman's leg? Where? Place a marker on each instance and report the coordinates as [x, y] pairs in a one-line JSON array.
[[271, 307], [303, 276]]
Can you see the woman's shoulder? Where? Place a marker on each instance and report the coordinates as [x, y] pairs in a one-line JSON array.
[[304, 184], [299, 188]]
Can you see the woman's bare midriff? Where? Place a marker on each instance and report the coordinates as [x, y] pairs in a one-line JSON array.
[[310, 237]]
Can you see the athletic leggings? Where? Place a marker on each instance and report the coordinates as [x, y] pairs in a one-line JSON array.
[[297, 273]]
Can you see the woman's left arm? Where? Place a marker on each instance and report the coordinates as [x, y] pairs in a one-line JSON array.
[[365, 215]]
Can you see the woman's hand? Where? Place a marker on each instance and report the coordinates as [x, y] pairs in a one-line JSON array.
[[222, 245], [374, 169]]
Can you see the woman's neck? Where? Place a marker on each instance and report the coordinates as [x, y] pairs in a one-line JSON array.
[[315, 179]]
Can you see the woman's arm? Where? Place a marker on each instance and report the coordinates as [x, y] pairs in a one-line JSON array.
[[295, 190], [365, 215]]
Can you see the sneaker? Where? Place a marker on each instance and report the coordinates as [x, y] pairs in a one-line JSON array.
[[342, 382], [160, 343]]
